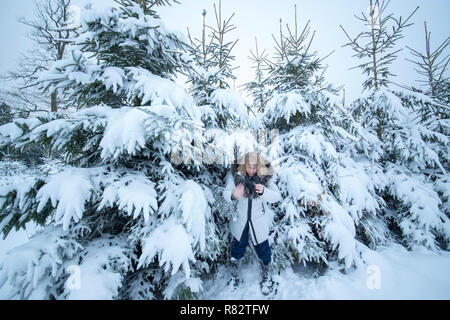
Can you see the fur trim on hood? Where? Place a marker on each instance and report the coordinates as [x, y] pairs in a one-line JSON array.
[[264, 173]]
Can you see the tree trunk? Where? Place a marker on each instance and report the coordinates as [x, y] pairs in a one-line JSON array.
[[137, 101], [53, 102], [375, 71]]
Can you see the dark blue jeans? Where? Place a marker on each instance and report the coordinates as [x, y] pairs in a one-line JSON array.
[[238, 248]]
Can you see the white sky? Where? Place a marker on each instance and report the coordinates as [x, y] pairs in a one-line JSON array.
[[260, 18]]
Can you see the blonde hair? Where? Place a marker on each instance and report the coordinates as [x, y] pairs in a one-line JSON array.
[[264, 168]]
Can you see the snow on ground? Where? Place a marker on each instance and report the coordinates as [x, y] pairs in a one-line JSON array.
[[390, 273]]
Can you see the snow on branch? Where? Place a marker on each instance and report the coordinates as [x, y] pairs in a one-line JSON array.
[[133, 193], [68, 192]]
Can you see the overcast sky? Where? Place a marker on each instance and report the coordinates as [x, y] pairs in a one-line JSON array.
[[260, 18]]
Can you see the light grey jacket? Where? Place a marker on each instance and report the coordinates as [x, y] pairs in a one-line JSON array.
[[259, 222]]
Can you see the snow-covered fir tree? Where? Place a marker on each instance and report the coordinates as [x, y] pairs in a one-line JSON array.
[[257, 87], [432, 67], [326, 169], [380, 50], [211, 75], [123, 209], [117, 56], [414, 141], [414, 162]]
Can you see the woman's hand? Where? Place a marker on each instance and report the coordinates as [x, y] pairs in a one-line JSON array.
[[239, 191], [259, 188]]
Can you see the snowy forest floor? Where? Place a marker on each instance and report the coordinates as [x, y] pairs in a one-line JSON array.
[[402, 274]]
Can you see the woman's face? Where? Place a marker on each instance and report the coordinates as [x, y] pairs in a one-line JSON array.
[[251, 169]]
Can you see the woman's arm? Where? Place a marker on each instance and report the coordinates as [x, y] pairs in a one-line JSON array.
[[271, 193]]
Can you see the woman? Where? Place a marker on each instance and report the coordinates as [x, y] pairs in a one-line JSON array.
[[248, 188]]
